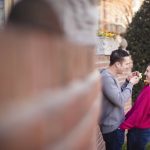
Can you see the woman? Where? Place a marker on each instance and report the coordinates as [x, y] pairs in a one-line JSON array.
[[138, 119]]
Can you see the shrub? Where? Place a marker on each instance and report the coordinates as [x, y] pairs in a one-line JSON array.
[[138, 37]]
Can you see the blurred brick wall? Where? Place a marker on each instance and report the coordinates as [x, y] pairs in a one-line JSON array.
[[102, 61], [50, 89], [47, 102]]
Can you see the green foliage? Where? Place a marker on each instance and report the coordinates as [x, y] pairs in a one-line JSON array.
[[124, 147], [148, 146], [138, 37]]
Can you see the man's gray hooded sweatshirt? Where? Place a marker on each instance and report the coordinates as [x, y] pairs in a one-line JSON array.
[[113, 100]]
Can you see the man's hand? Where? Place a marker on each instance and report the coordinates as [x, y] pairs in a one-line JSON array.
[[135, 73], [138, 74], [134, 80]]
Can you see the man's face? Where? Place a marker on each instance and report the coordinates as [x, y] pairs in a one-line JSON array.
[[124, 65], [147, 74]]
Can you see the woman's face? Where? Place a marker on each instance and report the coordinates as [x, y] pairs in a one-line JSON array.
[[147, 74]]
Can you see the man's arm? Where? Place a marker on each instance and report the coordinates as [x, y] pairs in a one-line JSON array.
[[124, 85], [114, 93]]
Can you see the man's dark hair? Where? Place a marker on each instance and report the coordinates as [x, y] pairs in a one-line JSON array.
[[118, 56]]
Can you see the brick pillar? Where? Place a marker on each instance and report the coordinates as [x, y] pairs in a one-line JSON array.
[[49, 91]]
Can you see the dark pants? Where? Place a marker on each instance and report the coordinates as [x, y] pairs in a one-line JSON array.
[[137, 139], [114, 140]]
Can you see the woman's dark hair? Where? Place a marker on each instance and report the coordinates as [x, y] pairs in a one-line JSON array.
[[118, 56]]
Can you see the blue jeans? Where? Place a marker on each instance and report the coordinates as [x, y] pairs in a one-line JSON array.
[[114, 140], [137, 139]]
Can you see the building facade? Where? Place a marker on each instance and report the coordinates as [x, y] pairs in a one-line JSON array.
[[115, 15]]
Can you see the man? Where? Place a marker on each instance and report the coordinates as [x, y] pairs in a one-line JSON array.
[[114, 98]]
